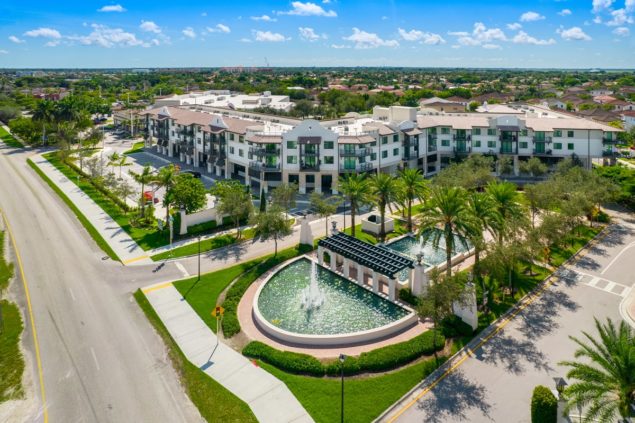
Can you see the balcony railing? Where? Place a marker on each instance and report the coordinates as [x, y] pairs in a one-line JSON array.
[[259, 151], [542, 152], [465, 138], [359, 167], [310, 153], [359, 152], [607, 153], [310, 167], [547, 140], [513, 138], [503, 150], [609, 141], [464, 150], [265, 167], [432, 148]]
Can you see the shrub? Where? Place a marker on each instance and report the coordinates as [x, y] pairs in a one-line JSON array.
[[285, 360], [201, 228], [544, 405], [453, 326], [408, 297]]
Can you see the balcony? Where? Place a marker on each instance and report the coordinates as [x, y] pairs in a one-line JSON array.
[[359, 167], [432, 148], [310, 167], [546, 140], [513, 138], [461, 139], [607, 153], [265, 167], [259, 151], [542, 152], [311, 153], [462, 151], [504, 150], [359, 152], [185, 132], [609, 141]]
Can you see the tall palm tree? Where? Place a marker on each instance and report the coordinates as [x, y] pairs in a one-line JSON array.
[[507, 205], [446, 208], [413, 186], [483, 216], [356, 189], [606, 385], [166, 179], [123, 161], [144, 178], [113, 160], [384, 189], [44, 113]]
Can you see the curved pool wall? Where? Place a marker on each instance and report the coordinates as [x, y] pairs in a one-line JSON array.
[[408, 245], [342, 310]]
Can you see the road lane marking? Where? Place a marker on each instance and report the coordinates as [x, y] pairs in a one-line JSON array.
[[617, 257], [36, 344], [182, 269], [132, 260], [92, 351], [593, 281]]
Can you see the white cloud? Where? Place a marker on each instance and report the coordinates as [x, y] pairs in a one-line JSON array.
[[44, 33], [149, 26], [480, 35], [308, 9], [219, 28], [326, 1], [245, 40], [620, 17], [4, 52], [492, 46], [423, 37], [204, 14], [524, 38], [107, 37], [629, 5], [531, 17], [564, 12], [268, 36], [52, 43], [16, 40], [112, 8], [308, 34], [265, 18], [601, 5], [514, 26], [189, 32], [363, 40], [573, 34], [622, 31], [339, 46]]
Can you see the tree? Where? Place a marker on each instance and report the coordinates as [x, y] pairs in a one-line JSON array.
[[483, 216], [144, 178], [544, 406], [606, 383], [540, 197], [446, 208], [507, 205], [234, 201], [357, 191], [166, 178], [263, 200], [324, 207], [272, 224], [534, 166], [113, 160], [44, 113], [123, 161], [473, 106], [412, 186], [284, 196], [505, 165], [384, 189], [188, 193]]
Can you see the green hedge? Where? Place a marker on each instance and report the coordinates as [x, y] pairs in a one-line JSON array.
[[381, 359], [201, 228], [544, 405], [406, 295], [453, 326]]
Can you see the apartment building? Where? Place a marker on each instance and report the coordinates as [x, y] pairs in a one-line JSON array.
[[264, 151], [226, 99]]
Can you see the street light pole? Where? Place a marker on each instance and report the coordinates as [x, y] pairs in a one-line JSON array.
[[342, 358]]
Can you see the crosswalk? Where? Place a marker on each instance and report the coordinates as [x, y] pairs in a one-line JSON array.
[[597, 282]]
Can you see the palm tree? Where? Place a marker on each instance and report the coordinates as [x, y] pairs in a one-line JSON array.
[[144, 178], [446, 208], [356, 189], [384, 189], [123, 161], [606, 385], [113, 160], [507, 205], [44, 113], [166, 179], [483, 216], [413, 186]]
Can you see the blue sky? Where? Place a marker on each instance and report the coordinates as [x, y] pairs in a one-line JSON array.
[[475, 33]]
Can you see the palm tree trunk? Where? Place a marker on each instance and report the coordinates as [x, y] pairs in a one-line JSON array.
[[382, 213], [353, 207], [143, 200], [409, 215], [448, 254]]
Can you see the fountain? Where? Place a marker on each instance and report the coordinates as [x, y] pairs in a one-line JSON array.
[[312, 296]]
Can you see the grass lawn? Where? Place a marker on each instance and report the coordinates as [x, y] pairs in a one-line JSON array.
[[400, 229], [9, 139], [206, 245], [214, 402], [6, 269], [101, 242], [136, 148], [364, 398], [574, 242], [11, 360]]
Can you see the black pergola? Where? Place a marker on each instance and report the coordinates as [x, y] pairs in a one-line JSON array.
[[380, 259]]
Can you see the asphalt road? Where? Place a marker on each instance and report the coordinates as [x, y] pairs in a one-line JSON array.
[[495, 385], [101, 359]]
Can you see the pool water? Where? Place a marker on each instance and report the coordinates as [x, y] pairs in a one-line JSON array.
[[347, 307], [410, 246]]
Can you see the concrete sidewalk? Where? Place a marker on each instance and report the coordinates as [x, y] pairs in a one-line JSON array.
[[269, 398], [125, 247]]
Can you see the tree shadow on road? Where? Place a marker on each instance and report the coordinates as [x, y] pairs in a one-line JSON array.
[[539, 318], [616, 235], [454, 397], [514, 355], [232, 252], [588, 263]]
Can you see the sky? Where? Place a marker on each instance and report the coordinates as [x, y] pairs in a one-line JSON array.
[[423, 33]]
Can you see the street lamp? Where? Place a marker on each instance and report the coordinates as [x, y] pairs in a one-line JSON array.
[[560, 385], [342, 358]]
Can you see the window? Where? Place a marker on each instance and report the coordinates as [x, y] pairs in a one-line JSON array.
[[241, 139], [570, 146], [557, 133], [491, 132], [523, 144], [328, 145], [523, 133], [384, 140], [329, 160], [395, 138], [241, 153], [231, 136], [557, 146], [292, 159], [231, 150], [292, 144], [395, 151], [491, 144], [172, 133], [373, 156], [477, 144], [445, 131], [373, 144], [570, 134], [476, 131], [384, 154], [445, 143], [310, 179]]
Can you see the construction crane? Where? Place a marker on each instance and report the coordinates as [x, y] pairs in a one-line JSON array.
[[267, 63]]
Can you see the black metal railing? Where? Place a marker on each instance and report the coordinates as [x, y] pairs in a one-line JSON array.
[[264, 167]]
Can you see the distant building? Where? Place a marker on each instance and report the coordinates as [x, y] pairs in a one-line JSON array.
[[629, 119], [225, 99]]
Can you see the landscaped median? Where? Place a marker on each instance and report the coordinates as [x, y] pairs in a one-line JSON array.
[[9, 139]]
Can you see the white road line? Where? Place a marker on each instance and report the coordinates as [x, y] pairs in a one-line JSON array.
[[92, 351], [182, 269], [617, 257], [72, 295], [609, 287], [593, 281]]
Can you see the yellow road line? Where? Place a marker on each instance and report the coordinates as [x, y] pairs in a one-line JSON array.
[[469, 352], [38, 359], [155, 287], [132, 260]]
